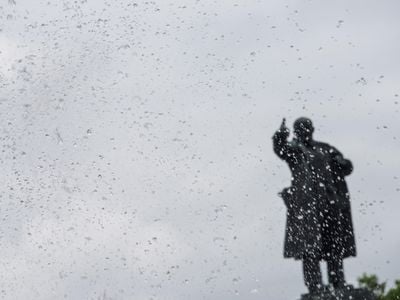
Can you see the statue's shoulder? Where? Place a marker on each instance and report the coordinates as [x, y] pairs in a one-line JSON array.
[[295, 145], [321, 144], [325, 147]]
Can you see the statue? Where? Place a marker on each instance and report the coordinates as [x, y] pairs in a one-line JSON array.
[[319, 224]]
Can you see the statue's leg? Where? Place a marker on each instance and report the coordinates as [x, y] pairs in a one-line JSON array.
[[312, 273], [336, 272]]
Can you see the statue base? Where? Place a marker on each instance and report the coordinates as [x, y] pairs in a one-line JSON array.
[[346, 293]]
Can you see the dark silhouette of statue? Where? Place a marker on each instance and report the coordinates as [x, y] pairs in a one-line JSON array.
[[319, 223]]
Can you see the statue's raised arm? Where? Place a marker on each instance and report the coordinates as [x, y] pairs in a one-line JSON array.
[[282, 147]]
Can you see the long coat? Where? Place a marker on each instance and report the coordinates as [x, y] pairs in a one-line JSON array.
[[318, 207]]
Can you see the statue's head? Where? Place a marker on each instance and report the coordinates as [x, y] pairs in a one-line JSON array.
[[303, 129]]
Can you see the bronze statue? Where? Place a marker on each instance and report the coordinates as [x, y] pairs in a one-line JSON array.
[[319, 223]]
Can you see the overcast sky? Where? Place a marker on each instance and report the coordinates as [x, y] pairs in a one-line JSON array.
[[136, 153]]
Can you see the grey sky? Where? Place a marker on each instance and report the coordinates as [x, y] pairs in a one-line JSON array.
[[136, 142]]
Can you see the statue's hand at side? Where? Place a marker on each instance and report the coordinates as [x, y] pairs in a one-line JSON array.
[[344, 165], [287, 196]]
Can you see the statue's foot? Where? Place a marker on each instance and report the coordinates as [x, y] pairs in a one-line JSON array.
[[317, 293]]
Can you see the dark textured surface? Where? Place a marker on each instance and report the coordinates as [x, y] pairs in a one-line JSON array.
[[318, 204], [347, 293], [319, 224]]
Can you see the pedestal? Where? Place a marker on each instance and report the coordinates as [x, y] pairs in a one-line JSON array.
[[345, 293]]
